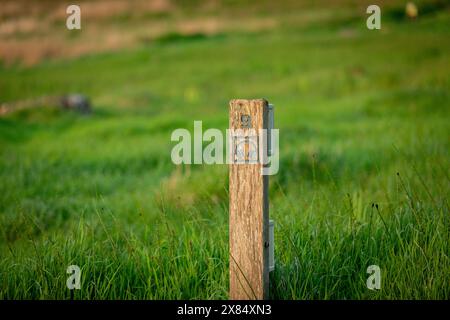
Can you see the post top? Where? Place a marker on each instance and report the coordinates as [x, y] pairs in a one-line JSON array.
[[249, 101]]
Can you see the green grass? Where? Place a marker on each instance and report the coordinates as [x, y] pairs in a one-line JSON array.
[[364, 176]]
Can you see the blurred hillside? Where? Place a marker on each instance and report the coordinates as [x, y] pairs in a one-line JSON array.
[[33, 30]]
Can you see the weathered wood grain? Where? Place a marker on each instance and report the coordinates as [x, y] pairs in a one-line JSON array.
[[249, 211]]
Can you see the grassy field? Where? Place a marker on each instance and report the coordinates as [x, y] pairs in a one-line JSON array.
[[364, 174]]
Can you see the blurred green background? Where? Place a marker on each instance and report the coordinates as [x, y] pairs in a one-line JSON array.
[[364, 140]]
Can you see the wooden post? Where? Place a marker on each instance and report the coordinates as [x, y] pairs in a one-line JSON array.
[[249, 207]]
